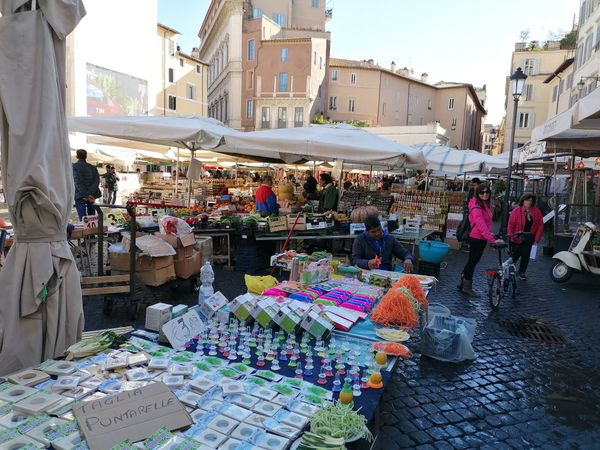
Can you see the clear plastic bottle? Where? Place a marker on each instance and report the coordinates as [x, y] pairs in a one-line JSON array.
[[207, 277]]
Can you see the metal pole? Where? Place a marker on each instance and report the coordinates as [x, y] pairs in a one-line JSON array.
[[504, 224], [177, 173], [370, 174], [554, 184]]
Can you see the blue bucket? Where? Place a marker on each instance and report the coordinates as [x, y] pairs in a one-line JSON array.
[[433, 251]]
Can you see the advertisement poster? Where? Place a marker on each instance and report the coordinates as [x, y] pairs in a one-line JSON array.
[[111, 93]]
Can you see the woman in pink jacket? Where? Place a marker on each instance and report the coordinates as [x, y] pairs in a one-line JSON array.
[[525, 218], [480, 219]]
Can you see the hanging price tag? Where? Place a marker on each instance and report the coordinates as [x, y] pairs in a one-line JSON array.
[[90, 221], [115, 217]]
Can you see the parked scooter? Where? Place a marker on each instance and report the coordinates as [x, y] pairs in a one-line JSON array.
[[580, 256]]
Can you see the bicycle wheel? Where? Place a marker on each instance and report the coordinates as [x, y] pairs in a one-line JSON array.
[[495, 292], [513, 285]]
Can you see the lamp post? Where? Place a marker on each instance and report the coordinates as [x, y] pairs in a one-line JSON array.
[[493, 137], [517, 82]]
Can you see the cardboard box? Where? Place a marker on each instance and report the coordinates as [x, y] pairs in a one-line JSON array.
[[212, 304], [279, 224], [184, 244], [157, 315], [188, 267], [120, 262], [300, 225], [151, 271], [242, 306]]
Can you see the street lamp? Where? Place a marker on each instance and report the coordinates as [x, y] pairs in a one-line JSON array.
[[581, 84], [517, 82]]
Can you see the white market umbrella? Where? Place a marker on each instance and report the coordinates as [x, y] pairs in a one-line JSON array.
[[42, 312], [328, 142], [453, 161]]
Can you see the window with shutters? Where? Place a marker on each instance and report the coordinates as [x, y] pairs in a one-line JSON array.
[[249, 109], [198, 69], [190, 91], [529, 67], [284, 54], [256, 13], [251, 49], [265, 117], [172, 102], [282, 117], [352, 78], [279, 19], [528, 92], [334, 75], [171, 75], [298, 116], [450, 103], [352, 105], [332, 103], [554, 93], [283, 82], [524, 120]]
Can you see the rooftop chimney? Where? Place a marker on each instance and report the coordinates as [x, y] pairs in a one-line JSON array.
[[404, 72], [393, 66], [196, 52], [424, 77]]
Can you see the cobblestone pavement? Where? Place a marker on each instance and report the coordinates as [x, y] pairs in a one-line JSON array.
[[518, 393]]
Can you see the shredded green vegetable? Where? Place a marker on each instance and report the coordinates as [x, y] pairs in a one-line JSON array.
[[340, 421], [95, 344]]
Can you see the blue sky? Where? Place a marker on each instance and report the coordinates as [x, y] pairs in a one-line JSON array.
[[461, 40]]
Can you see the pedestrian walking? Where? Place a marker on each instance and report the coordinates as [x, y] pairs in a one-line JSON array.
[[113, 185], [480, 221], [525, 218], [87, 185]]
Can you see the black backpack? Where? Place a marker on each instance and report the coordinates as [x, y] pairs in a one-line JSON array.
[[463, 229]]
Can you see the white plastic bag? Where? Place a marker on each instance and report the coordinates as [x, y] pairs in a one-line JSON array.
[[533, 252], [173, 226]]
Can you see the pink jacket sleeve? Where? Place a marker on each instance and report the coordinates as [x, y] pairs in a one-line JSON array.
[[479, 225]]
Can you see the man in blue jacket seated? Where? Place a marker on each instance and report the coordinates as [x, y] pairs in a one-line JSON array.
[[375, 248], [266, 202]]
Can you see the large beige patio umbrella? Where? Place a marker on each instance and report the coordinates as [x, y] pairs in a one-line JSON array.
[[41, 313]]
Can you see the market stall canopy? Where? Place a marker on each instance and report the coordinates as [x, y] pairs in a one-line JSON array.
[[560, 133], [450, 160], [587, 115], [191, 132], [42, 311], [331, 142]]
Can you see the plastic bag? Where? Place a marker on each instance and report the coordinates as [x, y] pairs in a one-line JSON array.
[[449, 338], [173, 225], [256, 285]]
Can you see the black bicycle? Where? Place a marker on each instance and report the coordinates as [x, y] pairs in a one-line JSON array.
[[503, 279]]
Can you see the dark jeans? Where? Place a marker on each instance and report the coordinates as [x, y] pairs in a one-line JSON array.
[[476, 248], [112, 197], [84, 208], [521, 251]]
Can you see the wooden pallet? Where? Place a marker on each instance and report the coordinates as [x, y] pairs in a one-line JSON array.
[[118, 284]]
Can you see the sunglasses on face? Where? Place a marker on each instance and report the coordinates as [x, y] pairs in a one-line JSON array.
[[485, 192]]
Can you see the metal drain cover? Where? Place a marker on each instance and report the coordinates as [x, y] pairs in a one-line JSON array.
[[531, 328]]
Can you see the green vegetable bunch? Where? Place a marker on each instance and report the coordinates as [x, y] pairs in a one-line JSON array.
[[340, 421], [93, 345]]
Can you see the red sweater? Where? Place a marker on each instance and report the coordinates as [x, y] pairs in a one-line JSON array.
[[516, 223]]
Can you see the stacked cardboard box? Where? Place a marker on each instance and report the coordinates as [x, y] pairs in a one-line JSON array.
[[151, 271], [188, 259]]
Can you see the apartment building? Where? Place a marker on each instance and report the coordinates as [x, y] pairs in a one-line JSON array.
[[364, 91], [586, 69], [538, 63], [183, 87], [560, 82], [267, 61], [490, 139]]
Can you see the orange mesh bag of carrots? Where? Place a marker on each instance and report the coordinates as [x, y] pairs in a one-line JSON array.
[[395, 309], [411, 282]]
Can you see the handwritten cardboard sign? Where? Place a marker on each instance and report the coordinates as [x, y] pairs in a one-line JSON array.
[[132, 415], [183, 328]]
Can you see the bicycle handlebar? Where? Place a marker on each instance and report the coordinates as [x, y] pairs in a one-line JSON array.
[[519, 234]]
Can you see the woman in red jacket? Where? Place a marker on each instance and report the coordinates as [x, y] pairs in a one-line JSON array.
[[525, 218]]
